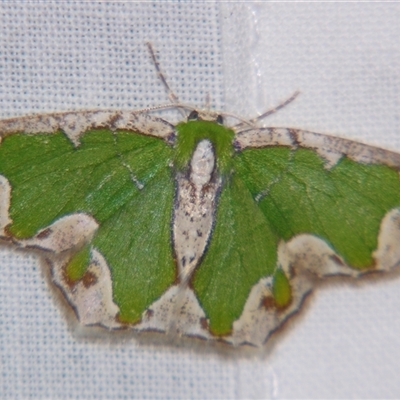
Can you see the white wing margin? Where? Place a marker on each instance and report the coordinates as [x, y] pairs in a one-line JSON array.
[[330, 148], [75, 123]]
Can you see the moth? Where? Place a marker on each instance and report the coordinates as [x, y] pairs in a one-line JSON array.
[[197, 229]]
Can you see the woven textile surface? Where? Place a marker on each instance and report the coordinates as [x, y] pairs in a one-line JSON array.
[[345, 60]]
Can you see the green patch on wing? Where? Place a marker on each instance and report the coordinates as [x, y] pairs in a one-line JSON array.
[[76, 267], [281, 289], [344, 205], [242, 250], [102, 177], [276, 193]]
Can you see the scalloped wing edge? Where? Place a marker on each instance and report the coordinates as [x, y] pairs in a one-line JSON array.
[[305, 259]]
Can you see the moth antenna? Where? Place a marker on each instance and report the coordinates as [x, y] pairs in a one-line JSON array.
[[189, 108], [243, 121], [180, 106], [208, 102], [171, 95], [273, 110]]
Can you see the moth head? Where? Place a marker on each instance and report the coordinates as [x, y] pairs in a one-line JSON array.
[[206, 115]]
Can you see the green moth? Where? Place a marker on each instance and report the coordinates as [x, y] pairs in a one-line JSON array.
[[197, 229]]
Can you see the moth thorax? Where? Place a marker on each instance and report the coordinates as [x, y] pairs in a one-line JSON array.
[[202, 163]]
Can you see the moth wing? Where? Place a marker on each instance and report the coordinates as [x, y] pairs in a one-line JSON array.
[[333, 205], [92, 192]]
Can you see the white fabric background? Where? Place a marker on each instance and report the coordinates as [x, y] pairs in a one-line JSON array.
[[345, 59]]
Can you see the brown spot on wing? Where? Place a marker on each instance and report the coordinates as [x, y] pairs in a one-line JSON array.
[[294, 136], [336, 259], [44, 234], [268, 302], [114, 119], [89, 279], [204, 323]]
